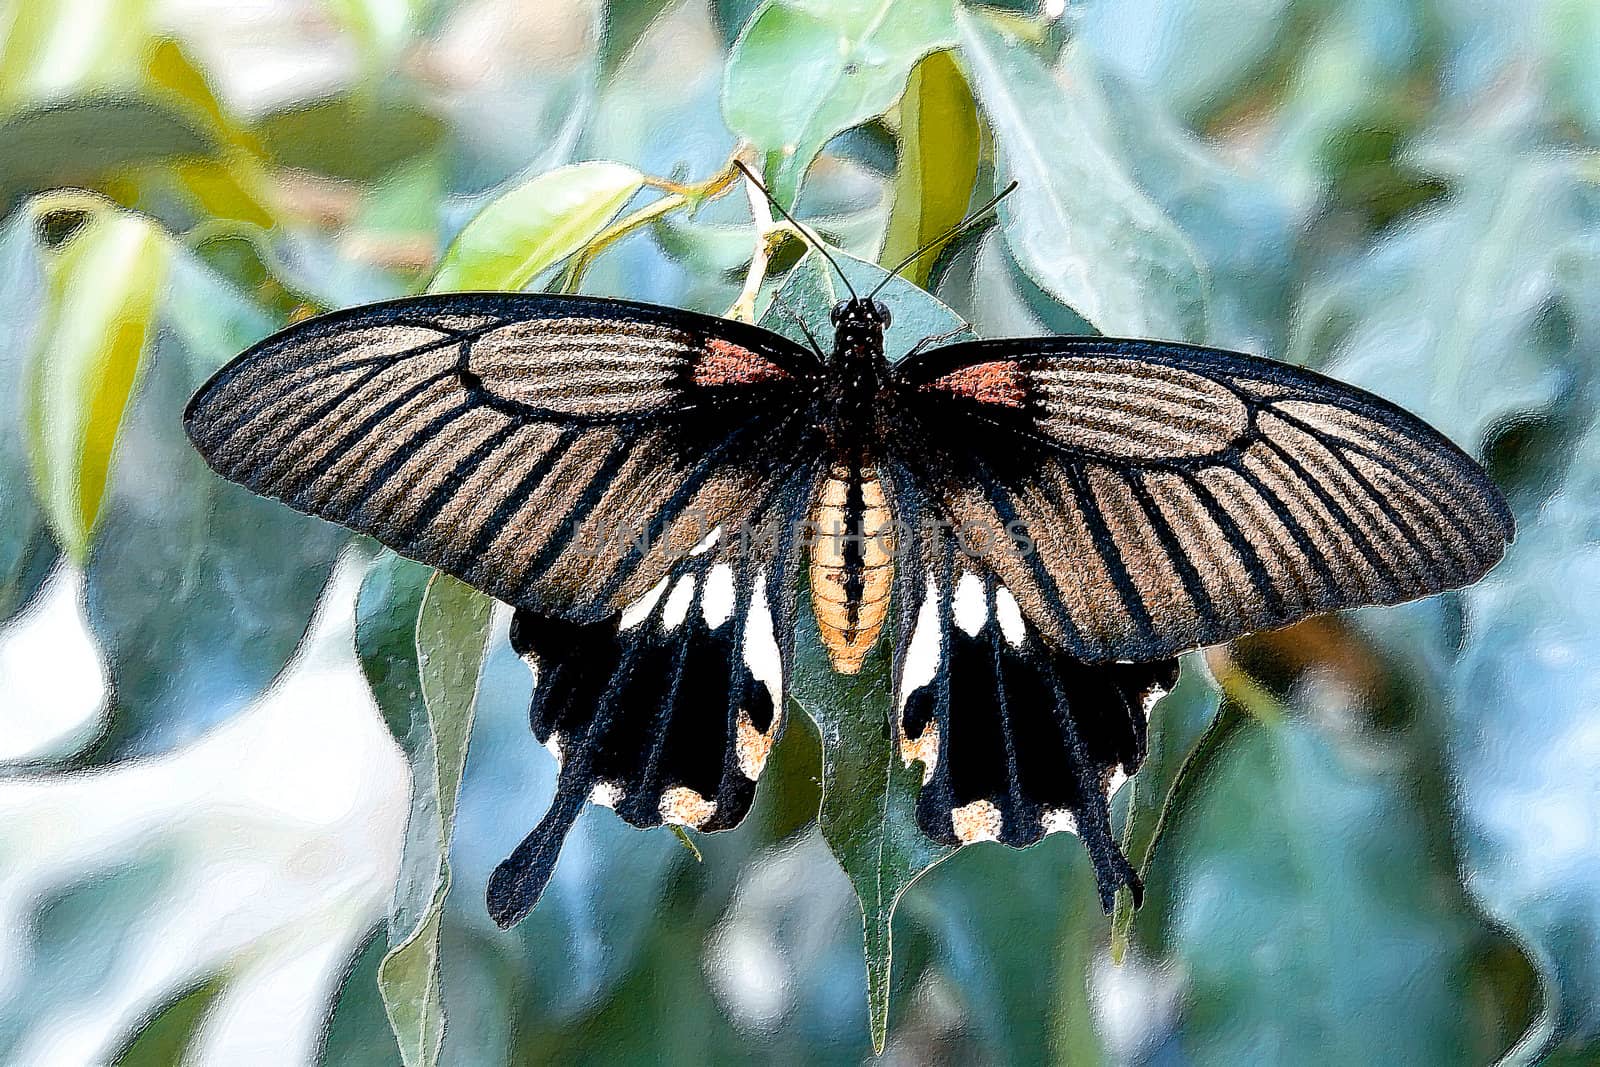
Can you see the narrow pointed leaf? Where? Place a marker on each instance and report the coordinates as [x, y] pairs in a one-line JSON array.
[[101, 298], [440, 681], [868, 815]]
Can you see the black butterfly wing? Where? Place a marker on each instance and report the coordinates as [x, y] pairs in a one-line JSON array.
[[624, 475], [1016, 738], [556, 452], [667, 713], [1174, 497], [1083, 509]]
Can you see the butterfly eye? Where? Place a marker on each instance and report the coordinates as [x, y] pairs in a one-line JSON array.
[[838, 311], [881, 311]]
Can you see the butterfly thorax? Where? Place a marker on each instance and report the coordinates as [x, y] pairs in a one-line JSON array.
[[860, 371]]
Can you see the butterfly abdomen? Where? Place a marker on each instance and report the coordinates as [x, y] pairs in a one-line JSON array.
[[852, 564]]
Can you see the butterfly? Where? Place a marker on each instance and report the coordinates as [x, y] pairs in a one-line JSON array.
[[1036, 528]]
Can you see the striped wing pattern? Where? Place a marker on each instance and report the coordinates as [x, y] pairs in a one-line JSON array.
[[1175, 497], [1065, 515], [622, 474], [557, 453]]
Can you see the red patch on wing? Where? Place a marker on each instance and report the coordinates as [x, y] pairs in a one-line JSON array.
[[988, 383], [726, 363]]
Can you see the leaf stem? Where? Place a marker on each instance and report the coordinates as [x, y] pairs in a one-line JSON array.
[[770, 235], [678, 195]]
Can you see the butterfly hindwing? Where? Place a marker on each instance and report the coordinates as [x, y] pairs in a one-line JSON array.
[[1016, 738], [1176, 496], [520, 442], [667, 712]]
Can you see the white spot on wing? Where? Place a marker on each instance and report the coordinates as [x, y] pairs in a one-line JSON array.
[[921, 664], [760, 646], [706, 542], [1009, 616], [1114, 781], [640, 609], [716, 599], [978, 821], [1151, 699], [554, 745], [685, 807], [678, 602], [605, 794], [969, 607], [1060, 821]]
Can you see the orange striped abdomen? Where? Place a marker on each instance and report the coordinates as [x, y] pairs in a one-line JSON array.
[[852, 565]]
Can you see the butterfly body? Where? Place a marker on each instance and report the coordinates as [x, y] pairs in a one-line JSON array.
[[1031, 528]]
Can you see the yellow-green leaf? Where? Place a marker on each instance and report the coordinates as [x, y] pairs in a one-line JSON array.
[[452, 630], [51, 49], [938, 163], [535, 226], [102, 295]]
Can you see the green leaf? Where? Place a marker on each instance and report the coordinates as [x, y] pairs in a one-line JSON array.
[[386, 642], [181, 555], [1189, 727], [85, 141], [55, 48], [868, 815], [803, 71], [625, 24], [1307, 863], [938, 163], [452, 629], [166, 1036], [1461, 297], [1078, 224], [535, 225], [358, 135], [101, 298], [26, 548]]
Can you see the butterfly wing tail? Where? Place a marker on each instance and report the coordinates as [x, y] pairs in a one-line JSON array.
[[518, 883]]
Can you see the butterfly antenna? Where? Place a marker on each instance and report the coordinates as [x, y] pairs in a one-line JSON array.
[[783, 305], [943, 237], [807, 234]]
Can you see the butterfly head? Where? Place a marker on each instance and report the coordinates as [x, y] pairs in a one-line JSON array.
[[858, 325], [860, 313]]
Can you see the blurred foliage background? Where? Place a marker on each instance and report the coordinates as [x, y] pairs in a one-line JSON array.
[[230, 735]]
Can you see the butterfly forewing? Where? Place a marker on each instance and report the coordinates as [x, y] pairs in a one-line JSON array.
[[553, 452], [1175, 497]]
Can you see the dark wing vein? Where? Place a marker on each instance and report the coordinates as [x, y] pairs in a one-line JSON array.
[[1182, 496], [497, 435]]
